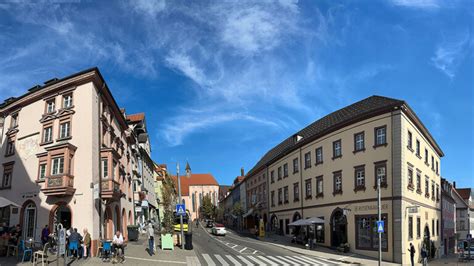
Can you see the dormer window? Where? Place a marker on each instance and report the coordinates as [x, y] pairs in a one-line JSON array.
[[67, 101], [50, 106], [297, 138]]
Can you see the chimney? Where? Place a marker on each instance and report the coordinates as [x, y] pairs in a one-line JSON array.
[[454, 184], [242, 172]]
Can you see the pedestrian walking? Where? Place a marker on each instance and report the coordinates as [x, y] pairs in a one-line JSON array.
[[87, 243], [412, 254], [424, 256], [151, 238], [45, 235]]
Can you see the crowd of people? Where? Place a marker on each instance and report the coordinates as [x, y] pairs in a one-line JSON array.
[[11, 235]]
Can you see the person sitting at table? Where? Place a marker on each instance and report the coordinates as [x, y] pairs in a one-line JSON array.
[[117, 242], [45, 235]]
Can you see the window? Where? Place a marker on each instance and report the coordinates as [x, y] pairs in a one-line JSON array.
[[319, 155], [319, 186], [433, 190], [426, 156], [366, 232], [48, 134], [57, 166], [410, 178], [432, 227], [427, 187], [437, 172], [50, 106], [64, 130], [410, 141], [418, 227], [279, 173], [296, 192], [285, 170], [272, 197], [461, 225], [193, 203], [10, 147], [381, 172], [437, 192], [105, 168], [418, 181], [307, 160], [295, 165], [42, 171], [337, 182], [67, 101], [272, 176], [437, 227], [359, 178], [285, 194], [14, 121], [380, 136], [418, 148], [337, 149], [7, 175], [432, 163], [410, 227], [280, 196], [308, 188], [114, 169], [359, 142]]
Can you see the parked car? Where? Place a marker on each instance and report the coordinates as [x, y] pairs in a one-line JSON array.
[[218, 230], [209, 223]]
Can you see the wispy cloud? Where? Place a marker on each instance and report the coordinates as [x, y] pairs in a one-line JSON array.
[[420, 4], [450, 53]]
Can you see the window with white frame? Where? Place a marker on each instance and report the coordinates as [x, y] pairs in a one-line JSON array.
[[359, 177], [67, 101], [381, 136], [57, 166], [359, 141], [48, 134], [319, 155], [308, 188], [337, 182], [285, 170], [105, 168], [50, 106], [319, 186], [296, 192], [307, 160], [337, 149], [64, 130], [295, 165], [42, 171]]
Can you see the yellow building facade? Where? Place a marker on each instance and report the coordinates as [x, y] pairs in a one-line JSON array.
[[329, 170]]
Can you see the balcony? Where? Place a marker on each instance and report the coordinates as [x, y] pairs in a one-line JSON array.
[[59, 185], [111, 189]]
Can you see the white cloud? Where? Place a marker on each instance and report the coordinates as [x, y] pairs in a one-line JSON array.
[[421, 4], [451, 52], [150, 7]]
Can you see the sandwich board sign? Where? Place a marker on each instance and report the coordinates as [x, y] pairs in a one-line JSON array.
[[180, 209]]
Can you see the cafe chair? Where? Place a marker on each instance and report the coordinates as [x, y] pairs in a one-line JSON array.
[[12, 248], [41, 253], [23, 250]]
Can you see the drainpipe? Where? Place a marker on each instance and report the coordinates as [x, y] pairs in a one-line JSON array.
[[99, 138], [301, 183]]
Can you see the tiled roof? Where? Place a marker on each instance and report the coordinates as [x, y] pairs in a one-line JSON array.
[[136, 117], [366, 108], [465, 193], [195, 180]]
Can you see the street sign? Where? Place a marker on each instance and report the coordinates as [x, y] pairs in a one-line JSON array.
[[180, 209], [469, 236], [62, 241], [380, 225]]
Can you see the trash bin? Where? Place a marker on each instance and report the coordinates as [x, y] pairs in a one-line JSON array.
[[188, 243], [132, 232]]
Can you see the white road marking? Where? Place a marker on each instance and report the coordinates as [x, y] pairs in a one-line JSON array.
[[318, 259], [293, 261], [242, 258], [221, 260], [278, 260], [234, 261], [193, 261], [255, 252], [165, 261], [259, 262], [208, 260], [266, 260], [242, 250]]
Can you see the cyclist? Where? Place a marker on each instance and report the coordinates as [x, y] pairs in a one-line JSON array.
[[117, 242]]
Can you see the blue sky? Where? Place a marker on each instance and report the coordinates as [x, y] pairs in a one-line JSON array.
[[222, 82]]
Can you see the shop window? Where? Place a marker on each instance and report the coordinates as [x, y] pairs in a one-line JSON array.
[[366, 232]]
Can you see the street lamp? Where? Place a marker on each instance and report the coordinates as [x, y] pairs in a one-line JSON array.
[[188, 175]]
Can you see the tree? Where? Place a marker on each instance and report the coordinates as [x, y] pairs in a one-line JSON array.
[[238, 211], [168, 191], [207, 208], [220, 212]]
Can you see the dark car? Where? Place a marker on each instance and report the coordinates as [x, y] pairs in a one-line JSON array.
[[209, 224]]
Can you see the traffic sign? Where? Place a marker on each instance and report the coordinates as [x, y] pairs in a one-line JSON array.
[[180, 209], [380, 225], [469, 236]]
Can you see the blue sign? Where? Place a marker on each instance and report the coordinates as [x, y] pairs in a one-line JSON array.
[[180, 209], [380, 225]]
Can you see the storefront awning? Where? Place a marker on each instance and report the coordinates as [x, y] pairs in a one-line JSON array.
[[4, 203], [309, 221]]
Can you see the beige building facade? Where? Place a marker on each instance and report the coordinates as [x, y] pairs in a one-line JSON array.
[[330, 168], [61, 142]]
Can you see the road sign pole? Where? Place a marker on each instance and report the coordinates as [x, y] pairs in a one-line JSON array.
[[181, 216], [380, 219]]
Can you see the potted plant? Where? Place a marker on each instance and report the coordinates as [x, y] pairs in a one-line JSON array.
[[132, 231], [167, 228]]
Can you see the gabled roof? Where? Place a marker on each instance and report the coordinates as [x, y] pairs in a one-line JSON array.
[[465, 193], [364, 109], [195, 180]]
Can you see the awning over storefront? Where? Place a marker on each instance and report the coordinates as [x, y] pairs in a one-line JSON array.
[[4, 203], [309, 221]]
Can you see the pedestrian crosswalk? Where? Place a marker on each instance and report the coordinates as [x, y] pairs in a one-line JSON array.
[[216, 259]]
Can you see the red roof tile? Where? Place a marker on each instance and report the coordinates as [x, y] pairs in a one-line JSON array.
[[136, 117], [195, 180], [465, 193]]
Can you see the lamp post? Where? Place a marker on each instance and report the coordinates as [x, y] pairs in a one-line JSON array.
[[188, 174], [380, 218]]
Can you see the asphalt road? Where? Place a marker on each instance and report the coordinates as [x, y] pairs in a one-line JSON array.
[[234, 249]]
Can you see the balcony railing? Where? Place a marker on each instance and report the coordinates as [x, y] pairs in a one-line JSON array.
[[111, 189], [59, 185]]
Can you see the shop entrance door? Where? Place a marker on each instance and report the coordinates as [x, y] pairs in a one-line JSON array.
[[338, 228]]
